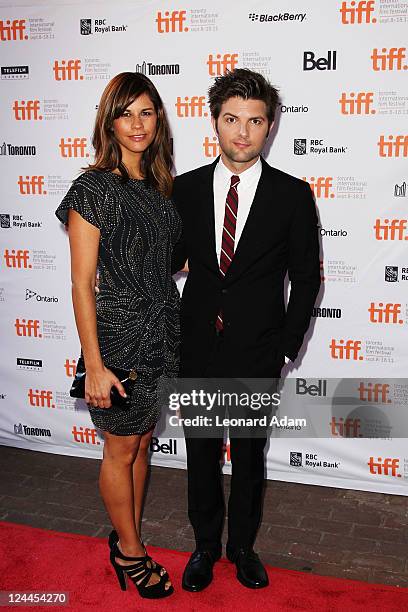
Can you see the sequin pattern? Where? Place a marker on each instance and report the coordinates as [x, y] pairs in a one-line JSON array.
[[137, 306]]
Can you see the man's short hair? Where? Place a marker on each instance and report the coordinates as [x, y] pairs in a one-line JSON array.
[[242, 83]]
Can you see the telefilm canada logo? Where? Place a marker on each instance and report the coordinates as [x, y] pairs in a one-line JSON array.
[[29, 363], [14, 72], [99, 26], [265, 18], [150, 69], [8, 149]]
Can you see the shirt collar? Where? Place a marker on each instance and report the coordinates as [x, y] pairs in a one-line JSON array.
[[246, 178]]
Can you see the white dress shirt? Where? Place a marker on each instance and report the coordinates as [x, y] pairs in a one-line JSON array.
[[248, 182]]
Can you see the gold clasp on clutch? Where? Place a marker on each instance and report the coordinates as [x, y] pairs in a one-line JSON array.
[[132, 375]]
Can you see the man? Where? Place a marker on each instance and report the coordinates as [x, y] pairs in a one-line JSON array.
[[246, 225]]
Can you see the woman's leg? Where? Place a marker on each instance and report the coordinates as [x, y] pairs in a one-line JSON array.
[[116, 487], [140, 467]]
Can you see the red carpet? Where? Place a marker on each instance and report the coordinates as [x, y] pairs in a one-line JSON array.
[[36, 559]]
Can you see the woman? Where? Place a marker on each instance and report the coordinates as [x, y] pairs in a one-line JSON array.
[[121, 223]]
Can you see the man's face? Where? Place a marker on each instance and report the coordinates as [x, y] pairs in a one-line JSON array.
[[242, 129]]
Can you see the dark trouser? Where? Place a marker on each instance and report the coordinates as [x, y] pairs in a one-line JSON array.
[[206, 506]]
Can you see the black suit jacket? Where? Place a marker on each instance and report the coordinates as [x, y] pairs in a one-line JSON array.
[[280, 236]]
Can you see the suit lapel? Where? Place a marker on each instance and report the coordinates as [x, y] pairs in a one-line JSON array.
[[207, 220]]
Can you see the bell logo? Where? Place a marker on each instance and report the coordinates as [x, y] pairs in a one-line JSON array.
[[322, 63], [348, 428], [70, 367], [391, 59], [31, 185], [357, 104], [377, 392], [73, 147], [387, 313], [357, 12], [393, 229], [394, 146], [387, 466], [85, 435], [27, 110], [171, 22], [40, 398], [169, 448], [68, 70], [222, 63], [191, 107], [18, 259], [346, 350], [211, 147], [13, 30], [28, 328], [321, 186]]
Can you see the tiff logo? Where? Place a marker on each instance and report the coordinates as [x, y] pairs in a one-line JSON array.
[[40, 398], [394, 146], [321, 186], [360, 104], [357, 12], [28, 328], [349, 428], [211, 147], [70, 367], [222, 63], [391, 60], [387, 466], [31, 185], [377, 392], [13, 30], [171, 22], [27, 110], [68, 70], [191, 107], [387, 313], [393, 229], [85, 435], [73, 147], [17, 259], [348, 350]]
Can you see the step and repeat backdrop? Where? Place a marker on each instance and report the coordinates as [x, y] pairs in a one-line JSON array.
[[341, 68]]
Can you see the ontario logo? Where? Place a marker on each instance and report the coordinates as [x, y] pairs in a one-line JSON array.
[[30, 294]]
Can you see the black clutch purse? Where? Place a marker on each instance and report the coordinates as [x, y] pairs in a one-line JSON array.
[[126, 377]]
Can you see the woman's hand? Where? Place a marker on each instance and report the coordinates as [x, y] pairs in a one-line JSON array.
[[98, 385]]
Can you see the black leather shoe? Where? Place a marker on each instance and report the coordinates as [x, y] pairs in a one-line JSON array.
[[198, 572], [250, 571]]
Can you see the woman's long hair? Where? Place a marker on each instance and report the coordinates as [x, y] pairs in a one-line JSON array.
[[156, 162]]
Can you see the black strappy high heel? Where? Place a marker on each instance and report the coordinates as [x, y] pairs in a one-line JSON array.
[[140, 573], [114, 539]]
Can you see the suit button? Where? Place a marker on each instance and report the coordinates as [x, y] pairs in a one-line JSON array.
[[224, 291]]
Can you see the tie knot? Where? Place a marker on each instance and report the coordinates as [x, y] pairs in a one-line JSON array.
[[234, 180]]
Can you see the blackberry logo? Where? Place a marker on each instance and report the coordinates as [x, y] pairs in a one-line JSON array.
[[299, 146], [296, 459], [253, 17], [391, 274], [86, 27], [5, 221]]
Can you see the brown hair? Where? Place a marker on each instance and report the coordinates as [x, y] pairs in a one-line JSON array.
[[242, 83], [156, 162]]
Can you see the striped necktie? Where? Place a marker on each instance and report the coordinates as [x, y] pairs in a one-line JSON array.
[[228, 235]]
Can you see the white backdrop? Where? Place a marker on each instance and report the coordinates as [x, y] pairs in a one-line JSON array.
[[341, 69]]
